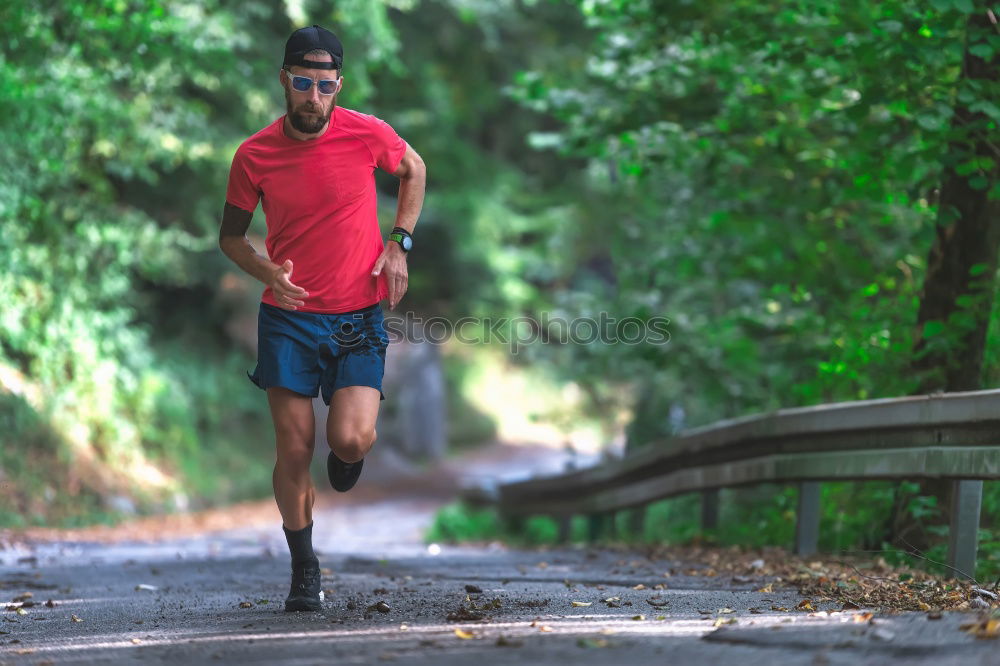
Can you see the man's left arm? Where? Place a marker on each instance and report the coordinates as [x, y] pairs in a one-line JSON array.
[[412, 176]]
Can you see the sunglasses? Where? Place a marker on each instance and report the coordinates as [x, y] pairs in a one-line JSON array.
[[304, 83]]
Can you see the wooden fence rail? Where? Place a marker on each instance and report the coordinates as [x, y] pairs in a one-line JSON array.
[[943, 436]]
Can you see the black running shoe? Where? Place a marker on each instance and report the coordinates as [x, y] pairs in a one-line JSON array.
[[343, 475], [304, 595]]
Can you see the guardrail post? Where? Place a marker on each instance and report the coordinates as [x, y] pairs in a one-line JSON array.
[[597, 526], [637, 523], [564, 523], [807, 520], [963, 536], [710, 509], [513, 525]]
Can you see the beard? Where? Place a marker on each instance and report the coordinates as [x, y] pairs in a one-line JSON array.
[[308, 124]]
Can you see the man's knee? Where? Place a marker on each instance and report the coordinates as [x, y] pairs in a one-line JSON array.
[[295, 453], [351, 446]]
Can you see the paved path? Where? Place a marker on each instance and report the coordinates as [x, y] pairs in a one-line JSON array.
[[217, 598]]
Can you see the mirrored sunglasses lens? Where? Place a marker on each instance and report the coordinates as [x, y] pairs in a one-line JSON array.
[[301, 83], [328, 86]]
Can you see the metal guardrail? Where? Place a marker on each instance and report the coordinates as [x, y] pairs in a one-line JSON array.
[[942, 436]]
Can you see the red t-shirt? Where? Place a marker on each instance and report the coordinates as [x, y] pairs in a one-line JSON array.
[[320, 205]]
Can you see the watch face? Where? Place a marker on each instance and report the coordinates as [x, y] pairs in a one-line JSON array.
[[407, 243]]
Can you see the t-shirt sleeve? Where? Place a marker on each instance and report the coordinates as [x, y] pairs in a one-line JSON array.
[[241, 191], [387, 146]]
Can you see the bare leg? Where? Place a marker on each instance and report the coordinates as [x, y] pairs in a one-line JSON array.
[[350, 425], [295, 432]]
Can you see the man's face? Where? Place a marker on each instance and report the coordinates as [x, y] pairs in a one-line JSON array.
[[309, 111]]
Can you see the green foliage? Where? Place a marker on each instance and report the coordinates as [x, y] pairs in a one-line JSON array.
[[775, 180], [457, 523]]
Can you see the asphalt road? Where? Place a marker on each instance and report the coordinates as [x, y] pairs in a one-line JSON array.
[[217, 598]]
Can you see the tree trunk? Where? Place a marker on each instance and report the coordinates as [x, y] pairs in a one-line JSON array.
[[957, 297], [955, 294]]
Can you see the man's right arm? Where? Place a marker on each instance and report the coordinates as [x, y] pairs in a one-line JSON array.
[[234, 244]]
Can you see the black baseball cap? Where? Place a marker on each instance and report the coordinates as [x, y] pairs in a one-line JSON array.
[[309, 39]]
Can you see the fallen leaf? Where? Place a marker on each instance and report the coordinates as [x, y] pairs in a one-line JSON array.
[[544, 627], [638, 617], [862, 617], [805, 605], [136, 641], [379, 606], [581, 604], [726, 610], [724, 620], [779, 608], [74, 618], [21, 611], [767, 588], [661, 617], [987, 628], [464, 635], [640, 586], [246, 604]]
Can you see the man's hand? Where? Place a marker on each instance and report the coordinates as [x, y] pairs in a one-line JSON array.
[[286, 294], [393, 262]]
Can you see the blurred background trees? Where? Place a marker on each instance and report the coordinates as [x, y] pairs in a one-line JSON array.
[[770, 176]]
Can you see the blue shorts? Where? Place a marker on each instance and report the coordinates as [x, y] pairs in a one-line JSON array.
[[307, 351]]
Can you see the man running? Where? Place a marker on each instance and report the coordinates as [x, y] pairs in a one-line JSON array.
[[320, 326]]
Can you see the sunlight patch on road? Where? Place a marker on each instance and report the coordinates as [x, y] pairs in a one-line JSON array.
[[412, 634]]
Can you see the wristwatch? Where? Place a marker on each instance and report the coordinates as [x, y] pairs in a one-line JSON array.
[[402, 236]]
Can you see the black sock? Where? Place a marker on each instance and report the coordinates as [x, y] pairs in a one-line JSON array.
[[300, 544]]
